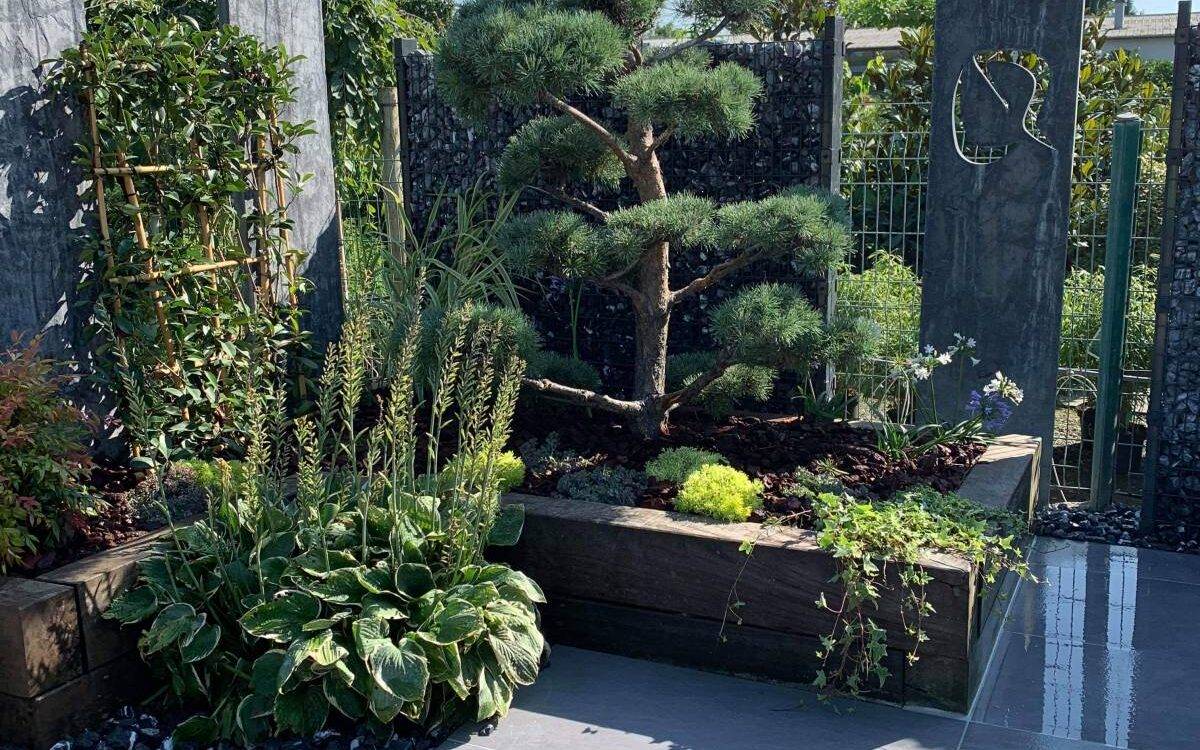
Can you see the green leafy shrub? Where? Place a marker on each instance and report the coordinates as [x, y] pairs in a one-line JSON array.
[[44, 465], [675, 465], [720, 492], [611, 485], [889, 294], [360, 594], [1083, 305]]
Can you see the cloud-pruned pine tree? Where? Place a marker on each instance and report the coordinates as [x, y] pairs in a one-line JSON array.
[[518, 54]]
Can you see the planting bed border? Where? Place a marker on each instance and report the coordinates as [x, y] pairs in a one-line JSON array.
[[652, 584], [644, 583]]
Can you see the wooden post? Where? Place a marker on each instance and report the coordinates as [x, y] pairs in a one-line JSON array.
[[833, 46], [392, 178]]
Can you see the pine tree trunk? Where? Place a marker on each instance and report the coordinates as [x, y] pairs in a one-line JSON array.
[[652, 318]]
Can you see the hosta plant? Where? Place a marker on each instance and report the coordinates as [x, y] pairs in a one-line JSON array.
[[357, 586]]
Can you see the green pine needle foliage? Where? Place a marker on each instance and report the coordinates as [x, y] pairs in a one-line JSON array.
[[675, 465], [740, 384], [808, 226], [557, 241], [689, 96], [685, 220], [563, 369], [771, 324], [494, 51], [555, 151], [635, 16]]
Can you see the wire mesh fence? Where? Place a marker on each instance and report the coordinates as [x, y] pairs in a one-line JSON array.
[[884, 178]]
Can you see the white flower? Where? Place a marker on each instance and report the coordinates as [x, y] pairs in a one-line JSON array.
[[975, 361], [970, 343], [946, 358], [1004, 387], [921, 372], [929, 349]]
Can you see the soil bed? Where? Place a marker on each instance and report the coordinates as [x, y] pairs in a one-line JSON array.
[[770, 449], [129, 510]]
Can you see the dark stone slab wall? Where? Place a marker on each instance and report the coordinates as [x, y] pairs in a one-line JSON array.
[[297, 26], [444, 153], [1176, 481], [40, 215]]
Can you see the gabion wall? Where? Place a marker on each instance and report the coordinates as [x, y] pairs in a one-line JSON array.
[[1178, 462], [446, 154]]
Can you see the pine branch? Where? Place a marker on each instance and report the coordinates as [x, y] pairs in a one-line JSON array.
[[705, 36], [662, 138], [603, 133], [697, 386], [577, 203], [582, 396], [718, 272]]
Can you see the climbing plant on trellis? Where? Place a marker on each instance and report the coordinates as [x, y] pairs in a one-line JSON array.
[[192, 273]]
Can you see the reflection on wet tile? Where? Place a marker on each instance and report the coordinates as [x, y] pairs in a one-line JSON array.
[[1123, 697], [986, 737], [1169, 566], [1103, 595]]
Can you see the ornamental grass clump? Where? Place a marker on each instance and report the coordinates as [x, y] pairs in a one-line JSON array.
[[548, 53], [720, 492], [328, 578]]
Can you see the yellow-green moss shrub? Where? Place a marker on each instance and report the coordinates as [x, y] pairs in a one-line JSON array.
[[507, 468], [720, 492]]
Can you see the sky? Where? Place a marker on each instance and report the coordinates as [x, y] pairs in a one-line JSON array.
[[1157, 6]]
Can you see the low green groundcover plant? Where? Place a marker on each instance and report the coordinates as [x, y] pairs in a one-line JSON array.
[[720, 492], [611, 485], [675, 465], [352, 589]]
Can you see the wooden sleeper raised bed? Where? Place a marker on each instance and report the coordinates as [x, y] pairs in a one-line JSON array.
[[643, 583], [655, 585]]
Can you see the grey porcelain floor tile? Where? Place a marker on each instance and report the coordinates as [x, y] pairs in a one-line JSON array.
[[1120, 697], [587, 701], [986, 737], [1107, 600], [1150, 563]]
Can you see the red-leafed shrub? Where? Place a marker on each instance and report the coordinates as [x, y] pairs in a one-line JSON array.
[[44, 463]]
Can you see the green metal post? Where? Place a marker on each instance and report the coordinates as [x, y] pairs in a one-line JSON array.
[[1127, 148]]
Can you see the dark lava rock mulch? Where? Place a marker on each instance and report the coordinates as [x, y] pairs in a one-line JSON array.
[[768, 449], [1116, 525], [130, 729]]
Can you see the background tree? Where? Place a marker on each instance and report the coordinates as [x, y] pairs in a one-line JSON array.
[[518, 55]]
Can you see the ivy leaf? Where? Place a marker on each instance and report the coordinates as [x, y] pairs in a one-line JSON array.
[[281, 619], [302, 711], [510, 522], [133, 606], [400, 669]]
